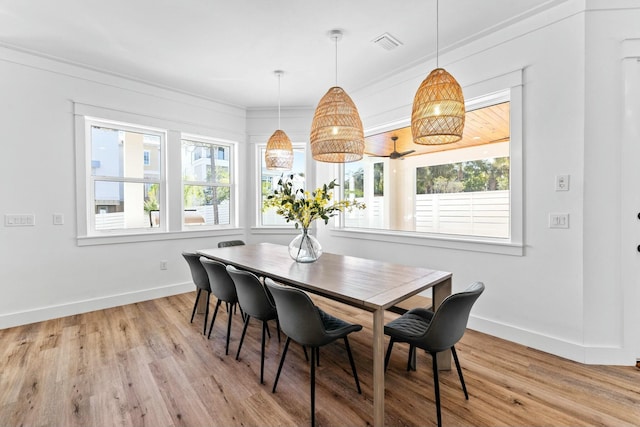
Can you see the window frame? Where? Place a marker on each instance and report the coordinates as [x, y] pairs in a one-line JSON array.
[[481, 94], [231, 185], [171, 200], [258, 221], [89, 122]]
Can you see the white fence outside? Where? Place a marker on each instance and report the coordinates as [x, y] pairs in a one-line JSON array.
[[117, 221], [371, 217], [481, 213]]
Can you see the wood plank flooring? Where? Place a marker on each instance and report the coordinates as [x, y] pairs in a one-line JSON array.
[[145, 365]]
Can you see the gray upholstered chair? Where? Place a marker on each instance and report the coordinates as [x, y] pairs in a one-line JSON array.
[[201, 280], [228, 243], [435, 332], [254, 302], [222, 288], [310, 326]]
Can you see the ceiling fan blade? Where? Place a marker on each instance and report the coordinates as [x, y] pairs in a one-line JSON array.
[[404, 153]]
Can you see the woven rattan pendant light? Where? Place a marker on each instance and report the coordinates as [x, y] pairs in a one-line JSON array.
[[438, 107], [279, 152], [336, 130]]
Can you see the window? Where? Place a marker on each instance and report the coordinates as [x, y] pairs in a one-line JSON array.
[[269, 179], [137, 181], [124, 187], [463, 190], [206, 182]]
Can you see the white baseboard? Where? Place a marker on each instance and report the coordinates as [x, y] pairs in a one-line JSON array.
[[55, 311], [593, 355]]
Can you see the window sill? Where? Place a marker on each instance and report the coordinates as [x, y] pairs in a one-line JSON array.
[[289, 229], [464, 243], [153, 236]]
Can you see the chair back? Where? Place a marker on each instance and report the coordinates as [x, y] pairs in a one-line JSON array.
[[228, 243], [252, 295], [450, 319], [298, 316], [221, 284], [198, 273]]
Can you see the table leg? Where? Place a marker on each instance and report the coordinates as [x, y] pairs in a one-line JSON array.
[[202, 303], [378, 367], [440, 292]]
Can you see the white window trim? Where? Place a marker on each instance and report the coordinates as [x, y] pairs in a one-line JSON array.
[[172, 227], [479, 94], [90, 180], [231, 185]]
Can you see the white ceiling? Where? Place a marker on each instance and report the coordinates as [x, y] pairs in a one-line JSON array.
[[227, 50]]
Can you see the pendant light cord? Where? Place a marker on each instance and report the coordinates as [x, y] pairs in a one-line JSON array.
[[279, 76], [336, 43], [437, 34]]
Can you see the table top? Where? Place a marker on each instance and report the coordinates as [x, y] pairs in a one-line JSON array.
[[365, 283]]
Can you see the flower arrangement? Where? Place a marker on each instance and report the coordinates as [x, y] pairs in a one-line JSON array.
[[304, 207]]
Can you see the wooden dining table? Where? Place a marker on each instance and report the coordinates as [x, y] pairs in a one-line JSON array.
[[369, 284]]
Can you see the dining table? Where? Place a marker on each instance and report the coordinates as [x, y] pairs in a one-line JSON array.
[[369, 284]]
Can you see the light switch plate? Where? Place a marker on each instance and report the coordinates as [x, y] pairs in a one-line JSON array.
[[558, 220], [58, 219], [19, 220]]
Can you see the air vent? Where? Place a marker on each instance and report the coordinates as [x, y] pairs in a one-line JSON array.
[[387, 41]]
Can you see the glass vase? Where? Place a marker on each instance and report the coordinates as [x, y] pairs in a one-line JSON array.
[[305, 248]]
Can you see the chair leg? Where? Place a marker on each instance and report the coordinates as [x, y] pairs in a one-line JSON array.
[[206, 314], [284, 353], [306, 355], [215, 313], [436, 386], [229, 317], [411, 362], [278, 328], [313, 386], [353, 365], [317, 356], [268, 332], [455, 358], [264, 327], [244, 331], [195, 305], [388, 355]]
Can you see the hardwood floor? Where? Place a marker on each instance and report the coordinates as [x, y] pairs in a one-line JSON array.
[[145, 364]]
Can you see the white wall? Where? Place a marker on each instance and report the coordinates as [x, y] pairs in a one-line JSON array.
[[609, 24], [43, 272]]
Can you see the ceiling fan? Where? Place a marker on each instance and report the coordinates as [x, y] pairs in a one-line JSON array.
[[395, 154]]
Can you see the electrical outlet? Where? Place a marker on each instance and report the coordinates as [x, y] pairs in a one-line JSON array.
[[562, 182], [163, 265]]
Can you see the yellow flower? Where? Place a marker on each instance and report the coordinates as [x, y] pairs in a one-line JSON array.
[[304, 207]]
